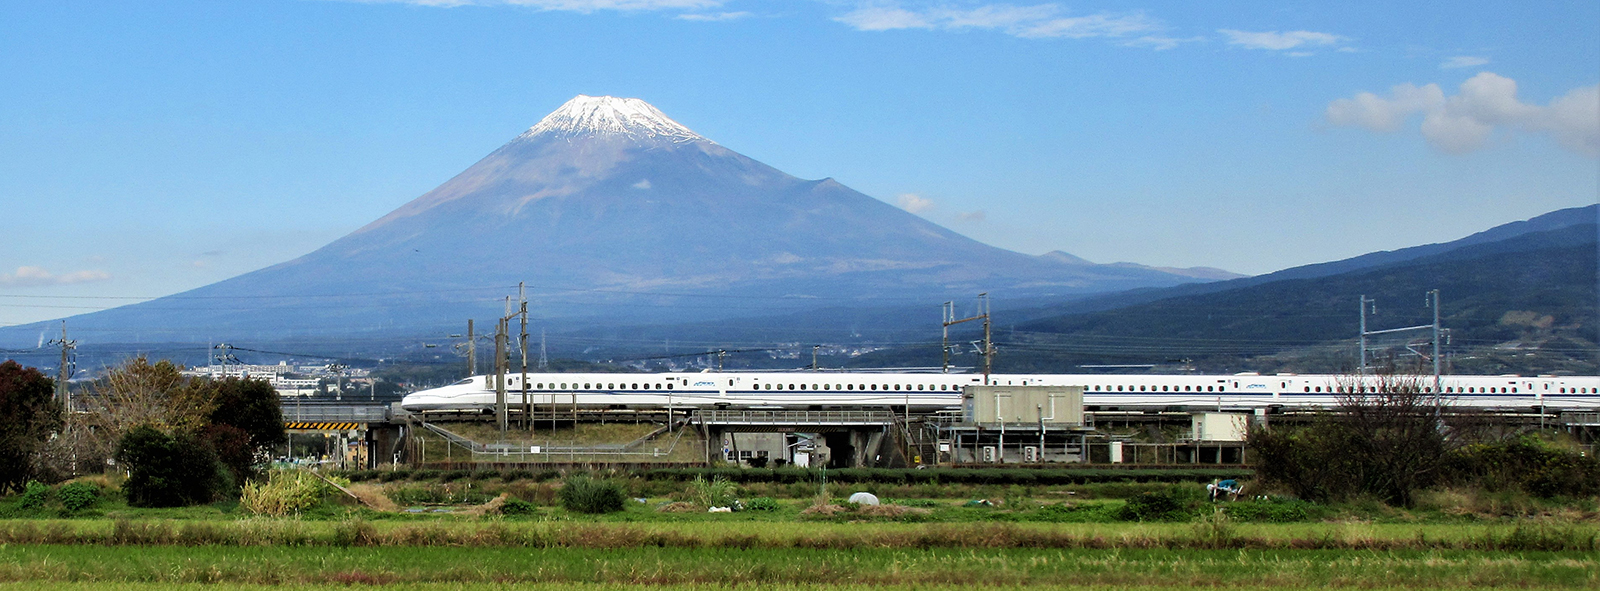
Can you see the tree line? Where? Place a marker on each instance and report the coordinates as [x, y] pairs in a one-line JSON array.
[[181, 440]]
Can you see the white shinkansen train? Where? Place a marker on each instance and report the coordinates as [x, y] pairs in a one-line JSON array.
[[820, 390]]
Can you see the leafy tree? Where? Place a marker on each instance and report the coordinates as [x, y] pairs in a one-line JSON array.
[[157, 395], [249, 409], [1386, 440], [29, 414], [167, 470]]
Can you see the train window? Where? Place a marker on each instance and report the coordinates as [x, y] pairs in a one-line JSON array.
[[563, 385], [802, 386], [1208, 388], [1119, 388], [669, 385], [919, 386], [730, 382], [944, 386], [1563, 390], [1163, 388], [1513, 390], [825, 387], [611, 386], [897, 386], [1141, 387]]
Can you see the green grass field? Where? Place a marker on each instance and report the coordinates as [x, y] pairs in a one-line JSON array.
[[874, 567]]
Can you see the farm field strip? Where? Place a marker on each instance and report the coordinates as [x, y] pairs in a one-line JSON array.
[[821, 535], [829, 569]]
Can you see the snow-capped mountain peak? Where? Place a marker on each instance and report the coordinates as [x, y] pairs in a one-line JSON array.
[[611, 116]]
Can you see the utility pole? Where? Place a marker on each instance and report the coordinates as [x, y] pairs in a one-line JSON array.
[[338, 384], [501, 327], [946, 313], [814, 349], [522, 345], [1437, 379], [65, 370], [1364, 302], [472, 351], [988, 341], [544, 355]]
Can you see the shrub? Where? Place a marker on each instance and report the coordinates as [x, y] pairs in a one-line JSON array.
[[515, 506], [77, 496], [761, 504], [583, 494], [1274, 510], [34, 496], [1528, 464], [1155, 506], [168, 471], [717, 492], [282, 493]]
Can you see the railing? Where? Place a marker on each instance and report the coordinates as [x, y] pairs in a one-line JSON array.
[[549, 451], [321, 413], [796, 417], [1581, 419]]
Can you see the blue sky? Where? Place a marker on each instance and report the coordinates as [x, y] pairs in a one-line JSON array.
[[147, 148]]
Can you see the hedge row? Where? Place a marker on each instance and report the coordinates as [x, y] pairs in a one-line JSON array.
[[1005, 476], [955, 475]]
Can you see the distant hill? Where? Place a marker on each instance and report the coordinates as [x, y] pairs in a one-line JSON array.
[[1518, 298], [1564, 218], [1530, 291], [613, 214]]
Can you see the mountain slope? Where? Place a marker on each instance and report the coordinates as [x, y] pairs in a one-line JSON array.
[[611, 212], [1533, 289]]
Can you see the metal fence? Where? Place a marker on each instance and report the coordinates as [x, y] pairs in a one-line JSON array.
[[796, 417], [323, 413]]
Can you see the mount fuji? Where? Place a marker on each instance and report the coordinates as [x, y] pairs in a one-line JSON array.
[[611, 213]]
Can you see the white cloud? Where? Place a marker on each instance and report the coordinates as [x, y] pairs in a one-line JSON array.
[[1463, 61], [1465, 122], [27, 276], [915, 203], [718, 16], [1032, 22], [878, 18], [976, 217], [644, 184], [584, 6], [1276, 41]]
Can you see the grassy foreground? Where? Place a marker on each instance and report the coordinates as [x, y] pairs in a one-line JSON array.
[[451, 567]]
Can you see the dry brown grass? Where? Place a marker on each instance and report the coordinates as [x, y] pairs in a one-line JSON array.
[[823, 510], [893, 511], [490, 508], [372, 496], [679, 507]]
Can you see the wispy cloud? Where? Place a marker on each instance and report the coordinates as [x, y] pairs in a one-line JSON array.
[[1485, 103], [1463, 61], [717, 16], [1031, 22], [1281, 41], [914, 203], [972, 217], [28, 276]]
